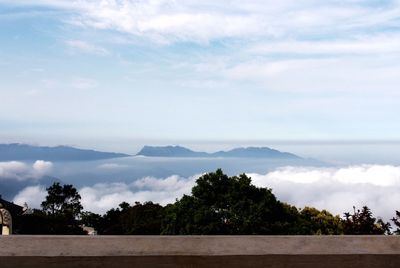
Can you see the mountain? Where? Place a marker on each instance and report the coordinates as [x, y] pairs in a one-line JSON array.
[[17, 152], [170, 151], [255, 152], [249, 152]]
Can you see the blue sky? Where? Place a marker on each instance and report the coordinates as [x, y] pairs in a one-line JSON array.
[[107, 74]]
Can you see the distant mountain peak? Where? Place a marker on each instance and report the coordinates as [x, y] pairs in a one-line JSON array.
[[169, 151], [241, 152], [20, 151]]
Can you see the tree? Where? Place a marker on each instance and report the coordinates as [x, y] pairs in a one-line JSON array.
[[91, 219], [62, 200], [315, 222], [59, 214], [39, 222], [361, 222], [396, 221], [139, 219], [227, 205]]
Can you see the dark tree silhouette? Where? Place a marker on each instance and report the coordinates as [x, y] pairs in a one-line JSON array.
[[59, 215], [64, 200], [361, 222], [139, 219], [396, 221]]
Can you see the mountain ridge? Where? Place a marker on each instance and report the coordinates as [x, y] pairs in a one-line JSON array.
[[21, 151], [244, 152]]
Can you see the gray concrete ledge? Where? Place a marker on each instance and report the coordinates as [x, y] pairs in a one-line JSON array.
[[200, 251]]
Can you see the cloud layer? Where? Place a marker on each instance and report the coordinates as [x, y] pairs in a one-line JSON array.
[[31, 195], [335, 189], [204, 21], [15, 170], [103, 196]]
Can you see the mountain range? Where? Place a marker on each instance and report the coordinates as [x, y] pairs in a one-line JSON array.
[[249, 152], [25, 152], [20, 152]]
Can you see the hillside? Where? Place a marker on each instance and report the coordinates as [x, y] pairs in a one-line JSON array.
[[18, 152]]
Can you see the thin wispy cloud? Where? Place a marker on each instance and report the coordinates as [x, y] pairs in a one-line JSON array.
[[256, 55], [355, 46], [83, 83], [206, 20], [85, 47]]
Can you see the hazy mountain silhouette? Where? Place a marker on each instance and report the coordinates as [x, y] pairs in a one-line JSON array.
[[18, 152], [255, 152], [170, 151], [249, 152]]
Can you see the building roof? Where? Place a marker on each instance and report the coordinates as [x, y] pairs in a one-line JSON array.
[[11, 207]]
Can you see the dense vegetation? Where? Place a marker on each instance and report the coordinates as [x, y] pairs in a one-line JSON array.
[[218, 205]]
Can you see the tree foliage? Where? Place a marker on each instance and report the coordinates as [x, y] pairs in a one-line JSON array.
[[227, 205], [217, 205], [396, 221], [361, 222], [139, 219], [312, 221], [59, 214], [62, 200], [39, 222]]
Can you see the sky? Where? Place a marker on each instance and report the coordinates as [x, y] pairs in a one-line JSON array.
[[109, 73]]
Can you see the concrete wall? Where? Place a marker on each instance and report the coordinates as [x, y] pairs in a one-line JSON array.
[[199, 251]]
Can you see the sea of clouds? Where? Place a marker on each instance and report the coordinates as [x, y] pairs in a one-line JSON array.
[[337, 189], [20, 171]]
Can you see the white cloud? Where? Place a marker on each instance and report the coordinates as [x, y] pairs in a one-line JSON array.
[[305, 45], [206, 20], [357, 45], [335, 189], [203, 21], [31, 195], [41, 167], [167, 21], [104, 196], [84, 83], [370, 73], [86, 47], [15, 170], [112, 166]]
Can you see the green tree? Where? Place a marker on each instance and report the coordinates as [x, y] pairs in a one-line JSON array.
[[227, 205], [361, 222], [139, 219], [319, 222]]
